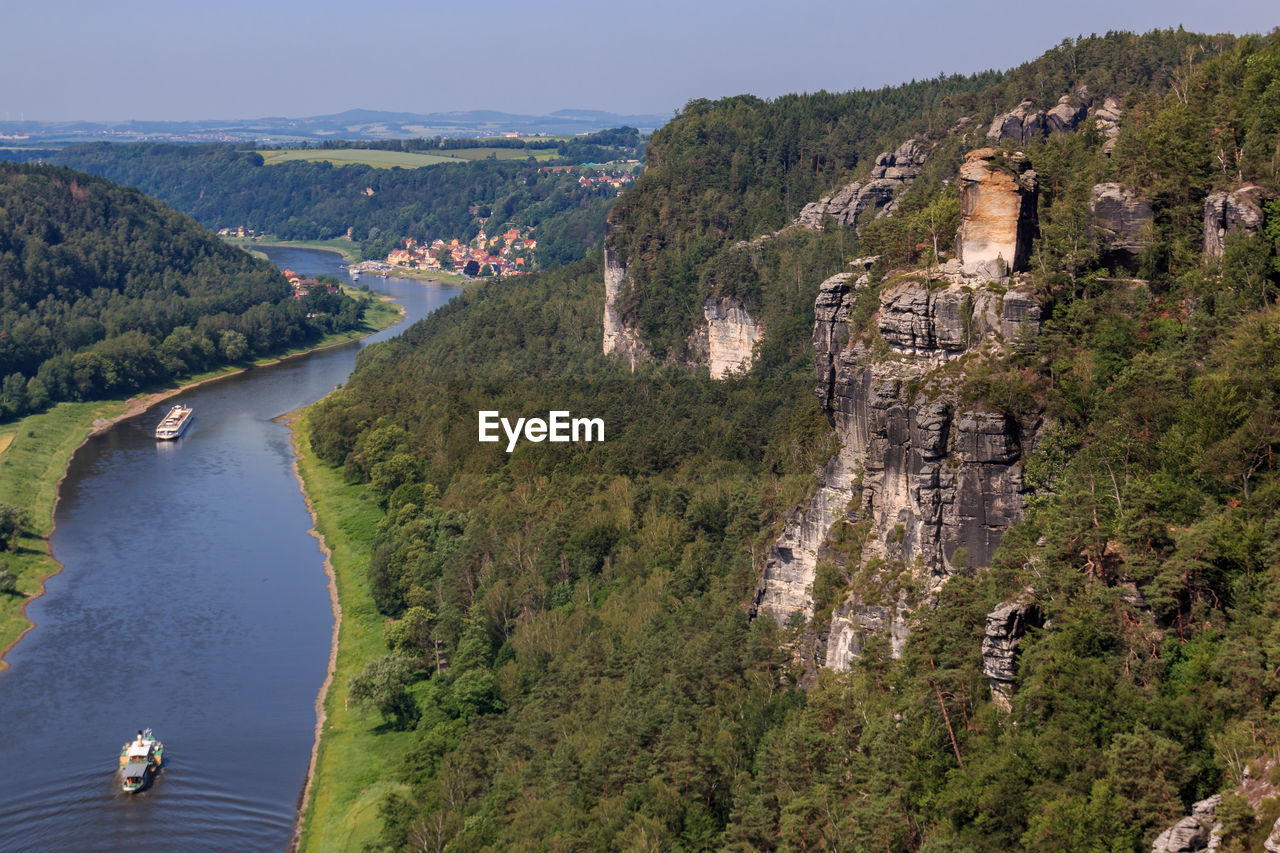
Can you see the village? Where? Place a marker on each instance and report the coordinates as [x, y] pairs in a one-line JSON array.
[[303, 286], [508, 253]]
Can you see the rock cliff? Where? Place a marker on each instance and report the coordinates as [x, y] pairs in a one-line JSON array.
[[1123, 222], [1200, 831], [1107, 122], [997, 212], [786, 585], [1228, 213], [1022, 124], [1069, 113], [893, 172], [1006, 626], [726, 339], [929, 484], [1025, 123], [620, 339], [731, 335]]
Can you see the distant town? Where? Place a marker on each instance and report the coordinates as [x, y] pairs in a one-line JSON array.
[[510, 252]]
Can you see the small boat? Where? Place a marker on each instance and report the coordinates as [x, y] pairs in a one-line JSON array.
[[175, 423], [140, 758]]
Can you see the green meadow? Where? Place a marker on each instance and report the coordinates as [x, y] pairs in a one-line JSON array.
[[33, 456], [350, 775], [380, 159]]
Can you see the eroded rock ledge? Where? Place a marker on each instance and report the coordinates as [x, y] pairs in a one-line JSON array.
[[932, 483], [1006, 626], [892, 173]]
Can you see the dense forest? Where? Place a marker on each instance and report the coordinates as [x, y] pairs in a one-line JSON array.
[[225, 186], [104, 291], [567, 629], [744, 166]]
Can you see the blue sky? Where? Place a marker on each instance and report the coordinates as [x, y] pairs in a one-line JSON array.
[[111, 60]]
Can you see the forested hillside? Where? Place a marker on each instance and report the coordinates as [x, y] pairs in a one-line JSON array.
[[104, 291], [569, 628], [225, 186]]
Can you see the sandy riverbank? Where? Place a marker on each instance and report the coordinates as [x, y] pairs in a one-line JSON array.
[[336, 606]]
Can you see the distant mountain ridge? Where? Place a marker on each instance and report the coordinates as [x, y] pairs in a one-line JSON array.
[[350, 124]]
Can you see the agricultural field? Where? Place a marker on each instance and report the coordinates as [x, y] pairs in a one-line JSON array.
[[380, 159]]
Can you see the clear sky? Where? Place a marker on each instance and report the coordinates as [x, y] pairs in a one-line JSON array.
[[112, 60]]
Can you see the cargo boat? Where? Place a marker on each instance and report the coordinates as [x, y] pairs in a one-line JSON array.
[[175, 423], [139, 760]]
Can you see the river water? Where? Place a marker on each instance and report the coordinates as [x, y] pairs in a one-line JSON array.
[[193, 601]]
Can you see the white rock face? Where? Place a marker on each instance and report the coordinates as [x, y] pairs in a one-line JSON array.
[[851, 628], [732, 335], [786, 586], [1272, 844], [619, 338], [997, 212]]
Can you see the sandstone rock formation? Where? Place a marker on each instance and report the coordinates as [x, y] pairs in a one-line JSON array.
[[1069, 112], [923, 475], [1006, 625], [785, 587], [1201, 831], [1025, 123], [1107, 120], [731, 335], [1272, 844], [997, 212], [1227, 213], [1123, 221], [893, 171], [851, 628], [620, 339], [1021, 124], [725, 341]]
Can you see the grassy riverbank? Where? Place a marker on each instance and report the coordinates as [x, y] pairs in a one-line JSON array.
[[349, 774], [349, 250], [441, 276], [35, 455], [35, 451]]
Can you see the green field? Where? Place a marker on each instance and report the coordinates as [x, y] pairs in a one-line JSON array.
[[404, 159], [349, 250], [350, 777], [348, 156], [35, 455]]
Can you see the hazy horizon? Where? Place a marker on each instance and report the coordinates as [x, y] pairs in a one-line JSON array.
[[150, 60]]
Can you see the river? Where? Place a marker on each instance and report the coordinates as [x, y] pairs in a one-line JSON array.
[[193, 600]]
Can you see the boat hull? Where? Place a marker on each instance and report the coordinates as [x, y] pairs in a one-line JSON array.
[[139, 764], [175, 423]]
